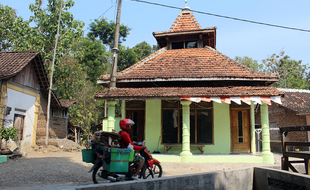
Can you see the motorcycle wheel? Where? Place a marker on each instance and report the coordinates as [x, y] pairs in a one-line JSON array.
[[155, 172], [96, 176]]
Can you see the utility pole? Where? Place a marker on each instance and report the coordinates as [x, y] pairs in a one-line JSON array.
[[115, 50], [51, 80]]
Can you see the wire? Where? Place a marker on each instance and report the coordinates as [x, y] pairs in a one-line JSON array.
[[101, 16], [233, 18]]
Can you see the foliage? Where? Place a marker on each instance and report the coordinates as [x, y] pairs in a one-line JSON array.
[[105, 31], [68, 77], [292, 73], [12, 28], [93, 58], [8, 133], [129, 56], [249, 62], [142, 50], [126, 58], [41, 37], [73, 83]]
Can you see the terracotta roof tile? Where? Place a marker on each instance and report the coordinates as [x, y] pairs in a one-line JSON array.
[[67, 103], [177, 92], [185, 22], [296, 100], [204, 63], [12, 63]]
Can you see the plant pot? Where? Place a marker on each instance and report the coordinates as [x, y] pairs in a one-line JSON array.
[[6, 152]]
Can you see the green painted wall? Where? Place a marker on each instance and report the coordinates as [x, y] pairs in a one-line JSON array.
[[153, 125], [221, 129], [221, 132], [153, 128]]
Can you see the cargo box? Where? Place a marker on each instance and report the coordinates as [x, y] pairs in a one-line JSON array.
[[119, 160]]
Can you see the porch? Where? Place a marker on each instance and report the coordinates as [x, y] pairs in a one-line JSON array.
[[217, 158]]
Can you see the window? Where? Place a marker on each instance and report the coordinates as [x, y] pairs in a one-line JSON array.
[[184, 44], [191, 44], [63, 113], [201, 122]]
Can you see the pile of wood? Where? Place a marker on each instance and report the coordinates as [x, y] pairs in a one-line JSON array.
[[107, 138]]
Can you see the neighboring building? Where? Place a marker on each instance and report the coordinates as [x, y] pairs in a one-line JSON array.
[[294, 111], [189, 98], [24, 94]]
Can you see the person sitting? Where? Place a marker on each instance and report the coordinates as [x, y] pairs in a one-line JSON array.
[[125, 126]]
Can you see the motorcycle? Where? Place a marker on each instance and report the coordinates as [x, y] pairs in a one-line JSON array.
[[102, 173]]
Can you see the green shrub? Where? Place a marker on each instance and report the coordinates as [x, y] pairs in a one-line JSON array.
[[7, 133]]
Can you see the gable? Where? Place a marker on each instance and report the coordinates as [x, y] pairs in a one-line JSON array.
[[13, 63], [27, 77]]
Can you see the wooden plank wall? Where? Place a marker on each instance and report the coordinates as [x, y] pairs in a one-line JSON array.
[[27, 77]]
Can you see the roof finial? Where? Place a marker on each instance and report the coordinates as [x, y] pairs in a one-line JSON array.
[[186, 7]]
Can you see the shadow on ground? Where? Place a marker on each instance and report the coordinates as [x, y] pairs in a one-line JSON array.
[[29, 172]]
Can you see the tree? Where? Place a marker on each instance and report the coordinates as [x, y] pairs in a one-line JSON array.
[[142, 50], [93, 58], [41, 37], [126, 58], [249, 62], [105, 31], [292, 73], [73, 83], [11, 28]]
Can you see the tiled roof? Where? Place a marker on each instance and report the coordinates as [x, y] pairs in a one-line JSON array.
[[177, 92], [67, 103], [189, 64], [185, 22], [12, 63], [296, 100]]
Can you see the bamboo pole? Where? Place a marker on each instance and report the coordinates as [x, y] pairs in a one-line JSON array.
[[51, 80]]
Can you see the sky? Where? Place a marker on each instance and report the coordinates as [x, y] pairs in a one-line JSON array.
[[234, 38]]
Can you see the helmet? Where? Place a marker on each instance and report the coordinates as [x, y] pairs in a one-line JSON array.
[[125, 124]]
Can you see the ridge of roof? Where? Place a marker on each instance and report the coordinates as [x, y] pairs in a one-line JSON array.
[[239, 64], [294, 90], [138, 64]]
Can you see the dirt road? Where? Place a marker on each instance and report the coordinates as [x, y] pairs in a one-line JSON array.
[[40, 170]]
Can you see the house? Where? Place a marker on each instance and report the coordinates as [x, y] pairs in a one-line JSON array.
[[23, 103], [294, 111], [189, 98]]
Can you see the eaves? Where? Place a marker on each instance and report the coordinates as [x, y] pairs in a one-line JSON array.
[[100, 81]]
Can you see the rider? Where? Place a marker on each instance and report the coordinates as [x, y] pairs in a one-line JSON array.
[[125, 125]]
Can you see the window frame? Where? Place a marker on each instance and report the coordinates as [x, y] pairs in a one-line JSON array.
[[194, 106]]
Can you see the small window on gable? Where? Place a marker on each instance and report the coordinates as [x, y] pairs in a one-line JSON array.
[[177, 45], [191, 44], [184, 44]]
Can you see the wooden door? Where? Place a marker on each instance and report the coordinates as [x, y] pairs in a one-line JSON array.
[[137, 130], [19, 125], [240, 130]]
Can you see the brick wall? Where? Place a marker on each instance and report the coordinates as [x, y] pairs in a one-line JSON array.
[[57, 129], [283, 117]]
